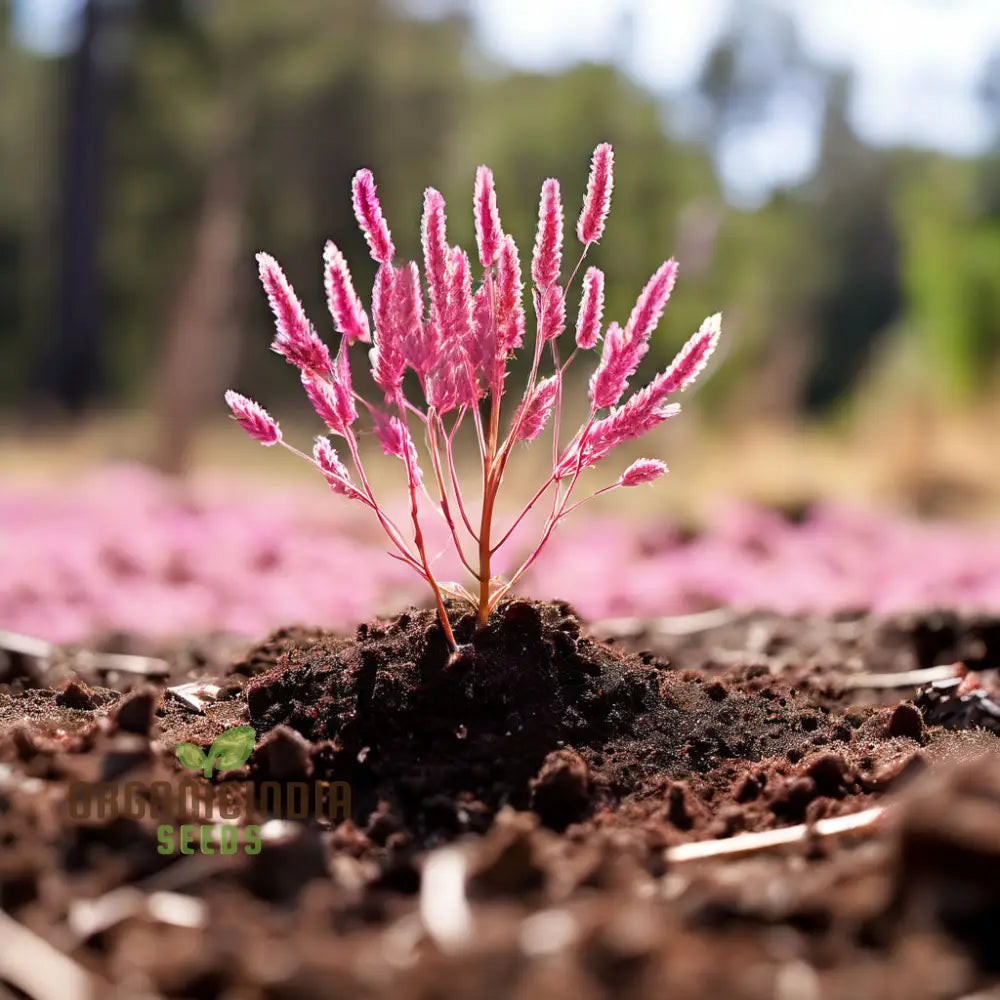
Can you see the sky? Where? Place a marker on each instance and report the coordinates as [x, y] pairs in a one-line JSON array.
[[916, 63]]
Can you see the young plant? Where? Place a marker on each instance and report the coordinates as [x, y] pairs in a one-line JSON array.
[[459, 346], [231, 749]]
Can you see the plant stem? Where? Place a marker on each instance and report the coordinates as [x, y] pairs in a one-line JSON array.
[[368, 499], [209, 765], [388, 525], [418, 540], [442, 489], [418, 535], [524, 513], [450, 452], [485, 554], [587, 499], [557, 409], [558, 510], [572, 275]]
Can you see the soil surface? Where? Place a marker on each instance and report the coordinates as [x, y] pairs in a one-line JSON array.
[[512, 821]]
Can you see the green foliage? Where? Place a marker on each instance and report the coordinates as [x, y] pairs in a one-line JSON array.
[[231, 749], [290, 99], [191, 756], [952, 248]]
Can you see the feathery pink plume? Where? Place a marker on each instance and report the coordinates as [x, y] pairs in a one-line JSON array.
[[694, 355], [482, 344], [652, 301], [368, 212], [510, 304], [546, 262], [330, 402], [639, 415], [619, 359], [538, 409], [295, 338], [487, 215], [435, 246], [334, 470], [597, 200], [552, 318], [441, 385], [642, 470], [624, 349], [345, 307], [588, 321], [457, 325], [459, 330], [395, 439], [451, 381], [343, 389], [254, 419], [412, 334], [389, 300]]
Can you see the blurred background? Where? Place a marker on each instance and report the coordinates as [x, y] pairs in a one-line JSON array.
[[827, 172]]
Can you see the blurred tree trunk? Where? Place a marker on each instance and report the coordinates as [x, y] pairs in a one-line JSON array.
[[200, 334], [69, 370]]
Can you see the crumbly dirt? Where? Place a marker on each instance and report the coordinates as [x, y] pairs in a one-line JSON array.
[[514, 812]]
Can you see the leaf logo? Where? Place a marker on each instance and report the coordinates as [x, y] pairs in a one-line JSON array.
[[230, 749]]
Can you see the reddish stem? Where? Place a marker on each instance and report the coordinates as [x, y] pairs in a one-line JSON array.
[[388, 525], [418, 535], [553, 520], [442, 489], [524, 513], [449, 451]]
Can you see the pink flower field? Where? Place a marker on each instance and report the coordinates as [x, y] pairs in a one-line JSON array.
[[127, 550]]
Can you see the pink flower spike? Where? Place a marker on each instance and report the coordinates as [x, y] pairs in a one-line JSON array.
[[483, 340], [651, 302], [414, 336], [694, 355], [254, 419], [395, 439], [458, 319], [619, 359], [643, 470], [546, 263], [487, 216], [343, 390], [345, 307], [624, 349], [643, 411], [295, 339], [510, 304], [597, 200], [435, 245], [458, 331], [553, 317], [368, 212], [334, 470], [588, 322], [539, 409], [388, 359], [328, 402]]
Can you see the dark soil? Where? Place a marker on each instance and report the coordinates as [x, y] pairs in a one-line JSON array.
[[553, 773]]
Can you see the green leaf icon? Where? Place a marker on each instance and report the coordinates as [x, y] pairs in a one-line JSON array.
[[233, 747], [191, 756]]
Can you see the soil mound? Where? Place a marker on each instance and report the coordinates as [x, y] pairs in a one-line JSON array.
[[532, 710]]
